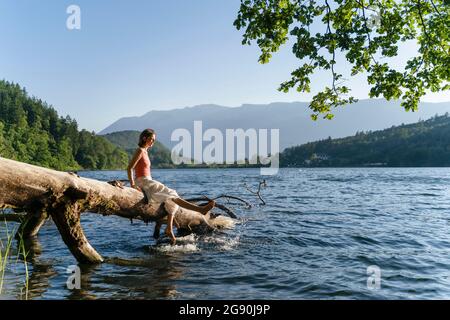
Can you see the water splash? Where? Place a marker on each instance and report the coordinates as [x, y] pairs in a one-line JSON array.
[[184, 244], [223, 243]]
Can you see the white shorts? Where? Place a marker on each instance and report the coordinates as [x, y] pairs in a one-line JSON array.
[[158, 193]]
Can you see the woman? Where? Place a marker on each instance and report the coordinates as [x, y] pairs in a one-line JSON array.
[[155, 190]]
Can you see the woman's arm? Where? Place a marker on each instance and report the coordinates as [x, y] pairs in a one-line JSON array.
[[137, 155]]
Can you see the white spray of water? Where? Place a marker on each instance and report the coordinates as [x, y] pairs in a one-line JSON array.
[[184, 244]]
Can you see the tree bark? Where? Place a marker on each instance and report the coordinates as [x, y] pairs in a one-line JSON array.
[[63, 196]]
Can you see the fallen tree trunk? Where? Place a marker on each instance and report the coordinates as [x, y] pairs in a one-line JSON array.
[[44, 193]]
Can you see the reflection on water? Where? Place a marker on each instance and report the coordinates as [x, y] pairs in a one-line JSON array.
[[157, 283], [315, 238], [39, 281]]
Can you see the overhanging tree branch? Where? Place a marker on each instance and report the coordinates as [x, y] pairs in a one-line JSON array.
[[347, 31]]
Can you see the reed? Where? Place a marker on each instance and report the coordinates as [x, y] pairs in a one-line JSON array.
[[6, 260], [5, 249]]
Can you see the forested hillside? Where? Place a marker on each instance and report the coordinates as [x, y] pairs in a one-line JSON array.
[[31, 131], [425, 143]]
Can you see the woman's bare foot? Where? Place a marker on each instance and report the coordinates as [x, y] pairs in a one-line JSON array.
[[208, 206], [171, 236]]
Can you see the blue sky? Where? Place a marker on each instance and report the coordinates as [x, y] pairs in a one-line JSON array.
[[133, 56]]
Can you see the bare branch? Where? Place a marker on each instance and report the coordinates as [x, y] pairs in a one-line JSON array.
[[15, 217], [258, 192], [366, 28], [333, 73]]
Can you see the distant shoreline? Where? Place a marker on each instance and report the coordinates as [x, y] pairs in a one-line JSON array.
[[281, 167]]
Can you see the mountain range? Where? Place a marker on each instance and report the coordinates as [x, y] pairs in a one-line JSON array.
[[293, 119]]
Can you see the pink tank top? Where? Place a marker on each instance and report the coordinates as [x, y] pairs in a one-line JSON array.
[[142, 168]]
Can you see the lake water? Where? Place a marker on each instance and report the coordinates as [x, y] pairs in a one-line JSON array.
[[319, 232]]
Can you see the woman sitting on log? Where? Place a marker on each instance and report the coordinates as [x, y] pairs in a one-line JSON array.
[[155, 191]]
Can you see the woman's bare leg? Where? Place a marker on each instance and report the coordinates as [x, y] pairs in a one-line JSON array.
[[190, 206], [157, 229], [169, 229]]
